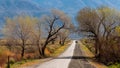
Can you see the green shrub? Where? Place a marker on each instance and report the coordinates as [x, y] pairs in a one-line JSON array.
[[117, 65]]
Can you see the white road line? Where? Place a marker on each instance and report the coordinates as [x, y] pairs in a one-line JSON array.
[[60, 63]]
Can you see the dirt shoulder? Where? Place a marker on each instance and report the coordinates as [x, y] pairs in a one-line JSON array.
[[57, 52], [88, 53]]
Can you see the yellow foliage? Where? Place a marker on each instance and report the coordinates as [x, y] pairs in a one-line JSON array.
[[107, 11], [117, 30], [47, 52]]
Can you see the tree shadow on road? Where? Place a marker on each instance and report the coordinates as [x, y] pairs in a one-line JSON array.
[[74, 57]]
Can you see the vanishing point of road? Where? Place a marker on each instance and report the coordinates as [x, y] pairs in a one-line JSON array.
[[73, 57]]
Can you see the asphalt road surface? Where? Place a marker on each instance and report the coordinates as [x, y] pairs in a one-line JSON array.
[[79, 60], [73, 57]]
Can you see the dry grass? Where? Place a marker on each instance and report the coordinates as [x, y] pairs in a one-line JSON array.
[[90, 54], [25, 63], [32, 62], [47, 52], [57, 51], [4, 53]]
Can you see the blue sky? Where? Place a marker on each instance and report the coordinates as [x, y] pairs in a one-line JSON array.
[[71, 7], [11, 8]]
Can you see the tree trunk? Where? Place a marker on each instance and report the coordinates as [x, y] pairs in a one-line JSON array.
[[23, 49], [60, 42], [22, 53], [53, 41], [96, 48], [44, 46], [8, 64], [39, 48], [43, 49], [64, 41]]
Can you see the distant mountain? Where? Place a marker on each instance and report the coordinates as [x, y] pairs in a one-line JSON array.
[[11, 8]]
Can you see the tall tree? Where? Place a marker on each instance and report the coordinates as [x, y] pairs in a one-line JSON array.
[[36, 36], [19, 28], [98, 24], [54, 23], [63, 35]]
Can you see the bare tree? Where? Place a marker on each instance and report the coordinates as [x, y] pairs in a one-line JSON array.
[[88, 19], [63, 35], [98, 25], [54, 23], [36, 36], [19, 29]]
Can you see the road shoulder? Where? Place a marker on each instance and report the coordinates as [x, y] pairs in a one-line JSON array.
[[88, 53], [61, 50]]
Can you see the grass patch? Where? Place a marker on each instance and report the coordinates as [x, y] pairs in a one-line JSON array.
[[24, 63], [51, 49], [58, 51], [55, 51], [89, 44], [117, 65], [88, 53]]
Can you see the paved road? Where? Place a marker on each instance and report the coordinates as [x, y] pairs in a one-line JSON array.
[[73, 57], [79, 60], [60, 62]]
